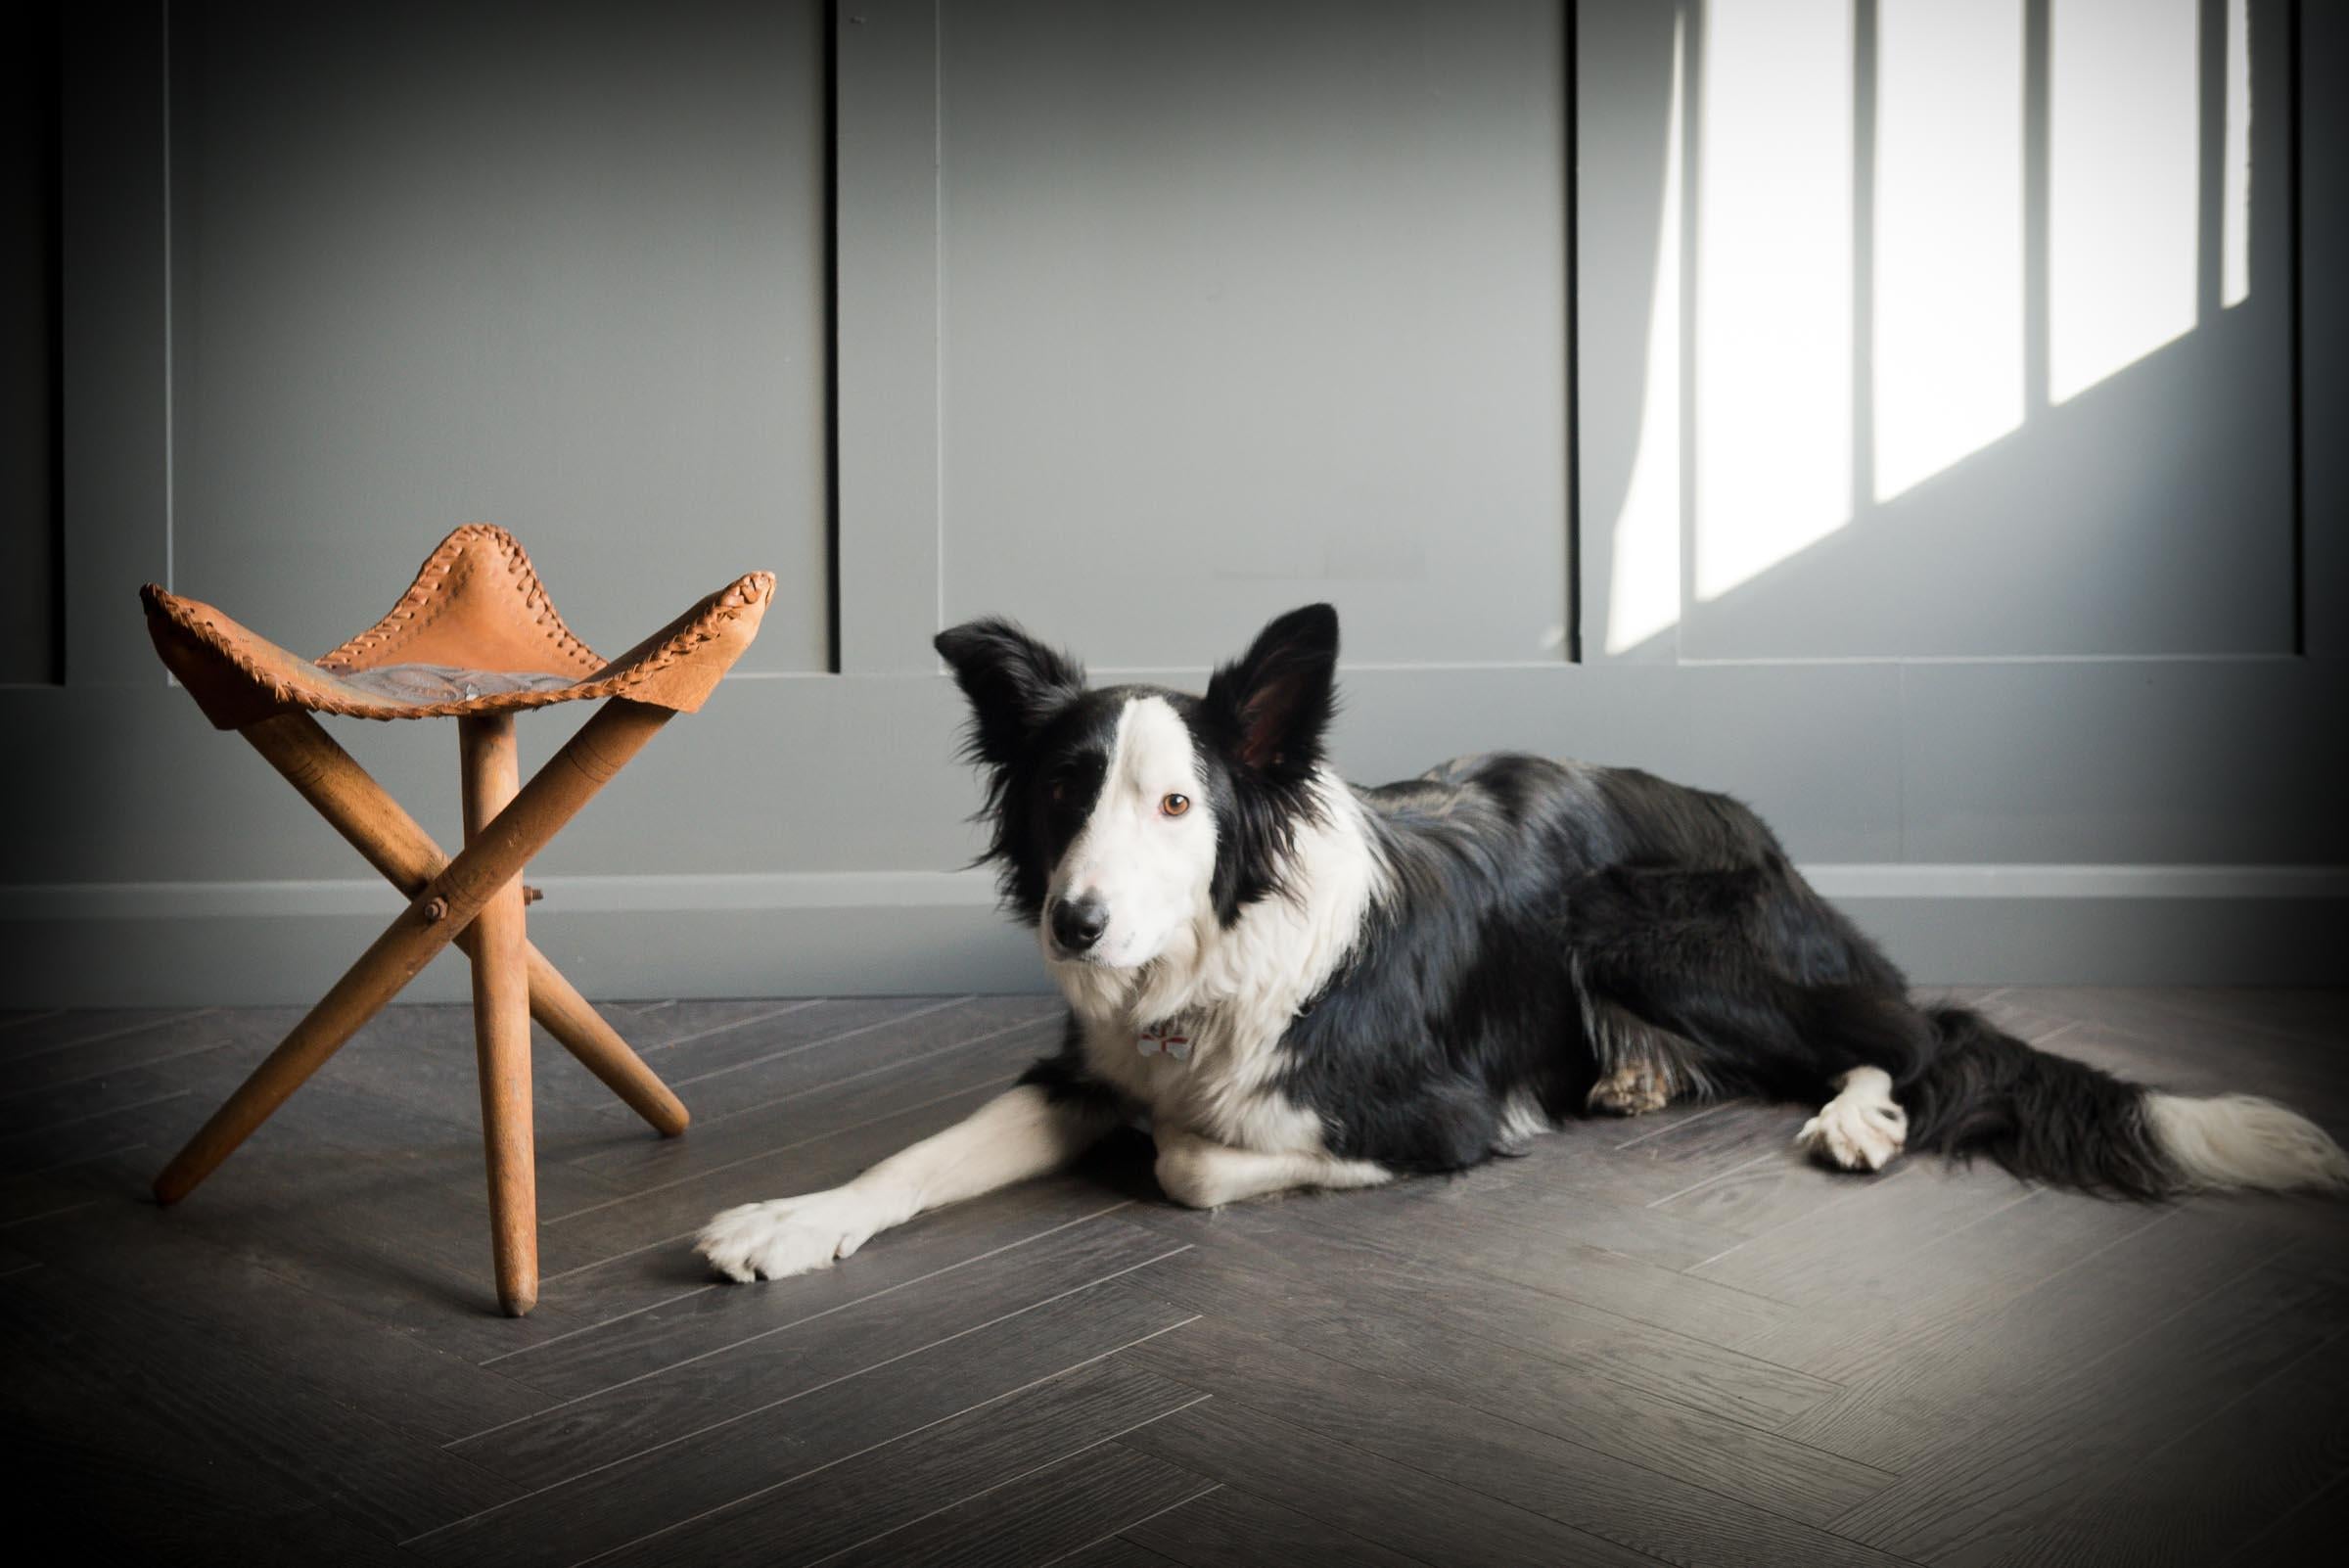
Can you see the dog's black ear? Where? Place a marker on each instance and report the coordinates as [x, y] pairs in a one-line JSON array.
[[1014, 682], [1273, 702]]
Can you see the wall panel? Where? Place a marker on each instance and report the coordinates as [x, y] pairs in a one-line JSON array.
[[561, 269], [1248, 306], [31, 547]]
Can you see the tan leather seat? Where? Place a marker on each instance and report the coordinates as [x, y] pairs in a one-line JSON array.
[[475, 633]]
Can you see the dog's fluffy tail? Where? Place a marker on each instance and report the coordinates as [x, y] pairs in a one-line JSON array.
[[2046, 1117]]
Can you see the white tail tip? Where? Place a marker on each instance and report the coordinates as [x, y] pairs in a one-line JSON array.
[[2240, 1140]]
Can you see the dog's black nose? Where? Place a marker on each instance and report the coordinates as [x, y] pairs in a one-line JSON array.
[[1077, 923]]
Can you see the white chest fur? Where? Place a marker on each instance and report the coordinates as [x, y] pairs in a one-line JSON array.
[[1225, 1090]]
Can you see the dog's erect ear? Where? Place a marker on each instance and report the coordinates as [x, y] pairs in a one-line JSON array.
[[1275, 701], [1014, 682]]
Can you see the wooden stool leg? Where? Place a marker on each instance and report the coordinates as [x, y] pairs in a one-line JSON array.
[[363, 812], [501, 1022], [445, 907]]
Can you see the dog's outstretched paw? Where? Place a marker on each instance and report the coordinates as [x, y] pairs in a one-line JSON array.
[[785, 1236]]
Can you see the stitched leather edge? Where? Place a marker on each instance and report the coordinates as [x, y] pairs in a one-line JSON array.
[[686, 642], [419, 606]]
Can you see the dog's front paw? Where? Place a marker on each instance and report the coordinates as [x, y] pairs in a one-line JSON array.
[[785, 1236]]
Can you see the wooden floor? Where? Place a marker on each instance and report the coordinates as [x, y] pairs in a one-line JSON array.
[[1666, 1340]]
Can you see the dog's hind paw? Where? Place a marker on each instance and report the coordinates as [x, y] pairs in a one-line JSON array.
[[1861, 1129], [1632, 1090], [785, 1236]]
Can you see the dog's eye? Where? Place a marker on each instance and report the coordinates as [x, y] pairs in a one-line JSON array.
[[1174, 804], [1060, 790]]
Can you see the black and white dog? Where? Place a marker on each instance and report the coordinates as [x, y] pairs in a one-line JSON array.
[[1304, 984]]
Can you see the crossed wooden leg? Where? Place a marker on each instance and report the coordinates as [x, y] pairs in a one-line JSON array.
[[376, 825], [475, 900]]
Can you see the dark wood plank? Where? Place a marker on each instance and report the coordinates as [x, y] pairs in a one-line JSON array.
[[884, 1502], [1883, 1310], [419, 1063], [1985, 1492], [700, 1038], [1764, 1194], [1301, 1278], [206, 1292], [1888, 1219], [423, 1057], [1965, 1374], [40, 1033], [372, 1205], [2229, 1025], [1434, 1345], [616, 1499], [838, 1039], [1420, 1515], [1444, 1224], [929, 1255], [779, 1115], [1588, 1487], [124, 1125], [1114, 1552], [2219, 1485], [1586, 1190], [72, 1103], [175, 1401], [1488, 1348], [1232, 1526], [765, 1368], [1041, 1517], [72, 1183], [2308, 1016], [2310, 1532], [74, 1078]]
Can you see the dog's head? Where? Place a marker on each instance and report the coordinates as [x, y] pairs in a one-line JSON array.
[[1126, 817]]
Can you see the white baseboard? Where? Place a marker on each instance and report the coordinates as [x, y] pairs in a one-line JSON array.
[[916, 932]]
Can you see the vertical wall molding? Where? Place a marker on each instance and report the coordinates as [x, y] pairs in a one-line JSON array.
[[2321, 173], [116, 334], [887, 260]]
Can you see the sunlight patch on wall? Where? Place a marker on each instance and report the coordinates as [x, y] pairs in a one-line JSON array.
[[2124, 168], [1643, 593], [1947, 328], [1774, 286], [2236, 250]]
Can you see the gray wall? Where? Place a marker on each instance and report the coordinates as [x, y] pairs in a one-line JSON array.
[[29, 491], [1142, 323]]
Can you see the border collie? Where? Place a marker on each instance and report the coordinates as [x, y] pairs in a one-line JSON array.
[[1304, 984]]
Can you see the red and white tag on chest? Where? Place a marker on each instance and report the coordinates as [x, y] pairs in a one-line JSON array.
[[1170, 1040]]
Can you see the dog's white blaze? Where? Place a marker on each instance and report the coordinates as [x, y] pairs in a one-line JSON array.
[[1234, 991], [2240, 1140], [1151, 871]]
